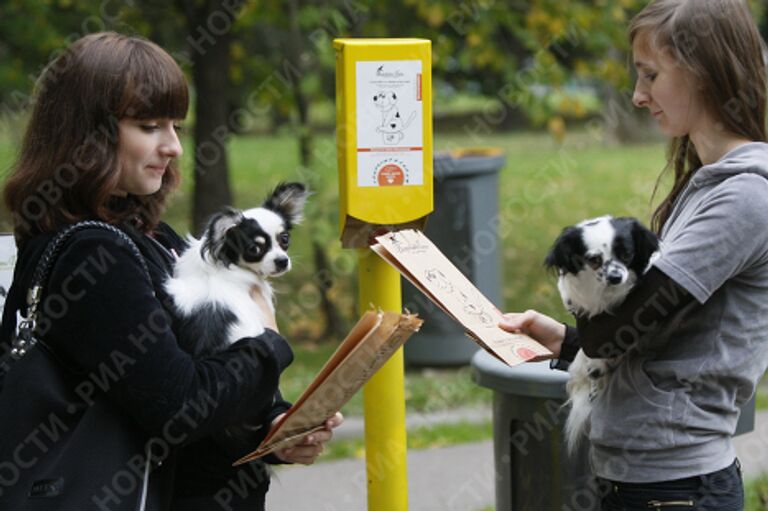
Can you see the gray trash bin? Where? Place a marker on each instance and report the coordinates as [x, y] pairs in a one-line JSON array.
[[533, 471], [464, 227], [532, 467]]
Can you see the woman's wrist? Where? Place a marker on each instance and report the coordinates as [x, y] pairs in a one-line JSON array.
[[568, 349]]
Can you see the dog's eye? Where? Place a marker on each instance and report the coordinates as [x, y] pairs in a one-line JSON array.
[[284, 239], [595, 261], [256, 250], [622, 254]]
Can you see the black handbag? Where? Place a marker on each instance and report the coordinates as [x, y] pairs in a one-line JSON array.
[[58, 450]]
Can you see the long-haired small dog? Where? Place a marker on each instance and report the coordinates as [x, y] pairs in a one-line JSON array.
[[239, 250], [598, 261]]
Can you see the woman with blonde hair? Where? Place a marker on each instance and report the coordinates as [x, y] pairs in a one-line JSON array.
[[693, 334]]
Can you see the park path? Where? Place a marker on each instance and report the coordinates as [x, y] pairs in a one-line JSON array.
[[455, 478]]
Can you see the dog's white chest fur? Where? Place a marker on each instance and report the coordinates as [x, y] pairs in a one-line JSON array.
[[583, 294], [197, 284]]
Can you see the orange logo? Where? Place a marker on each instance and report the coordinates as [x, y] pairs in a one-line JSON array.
[[391, 175], [525, 353]]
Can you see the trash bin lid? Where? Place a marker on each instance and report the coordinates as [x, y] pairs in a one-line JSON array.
[[468, 162], [533, 379]]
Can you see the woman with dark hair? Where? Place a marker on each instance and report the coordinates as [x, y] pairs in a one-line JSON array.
[[693, 334], [124, 419]]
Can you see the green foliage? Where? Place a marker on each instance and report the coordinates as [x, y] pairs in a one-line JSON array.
[[513, 49], [518, 51], [33, 32]]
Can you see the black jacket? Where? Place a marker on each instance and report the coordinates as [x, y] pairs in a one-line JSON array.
[[105, 324]]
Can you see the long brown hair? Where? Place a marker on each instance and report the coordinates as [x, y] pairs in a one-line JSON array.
[[68, 169], [718, 41]]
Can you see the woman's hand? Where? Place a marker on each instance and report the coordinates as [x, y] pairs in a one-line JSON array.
[[307, 451], [266, 308], [541, 328]]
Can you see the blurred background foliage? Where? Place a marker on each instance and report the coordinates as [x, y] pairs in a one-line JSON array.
[[548, 81]]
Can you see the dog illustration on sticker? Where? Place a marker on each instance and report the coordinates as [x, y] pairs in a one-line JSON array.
[[392, 124]]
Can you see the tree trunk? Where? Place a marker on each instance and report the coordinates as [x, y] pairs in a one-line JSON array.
[[295, 51], [334, 327], [209, 41]]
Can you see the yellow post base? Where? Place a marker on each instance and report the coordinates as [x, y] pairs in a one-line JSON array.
[[384, 397]]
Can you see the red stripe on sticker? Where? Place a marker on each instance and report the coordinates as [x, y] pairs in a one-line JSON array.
[[418, 87], [387, 149]]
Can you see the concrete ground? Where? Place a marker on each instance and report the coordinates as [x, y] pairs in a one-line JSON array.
[[456, 478]]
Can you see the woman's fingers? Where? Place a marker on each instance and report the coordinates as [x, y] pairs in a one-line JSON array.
[[304, 454], [335, 421], [516, 321], [312, 445]]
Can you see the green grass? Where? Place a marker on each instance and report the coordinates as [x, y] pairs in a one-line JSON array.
[[431, 437], [761, 399], [543, 187], [756, 494]]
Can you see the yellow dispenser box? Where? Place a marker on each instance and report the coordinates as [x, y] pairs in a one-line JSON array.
[[383, 135]]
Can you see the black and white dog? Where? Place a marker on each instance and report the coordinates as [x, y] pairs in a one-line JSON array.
[[239, 250], [598, 261]]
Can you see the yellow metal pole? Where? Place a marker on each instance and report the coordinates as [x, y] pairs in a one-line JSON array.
[[384, 397]]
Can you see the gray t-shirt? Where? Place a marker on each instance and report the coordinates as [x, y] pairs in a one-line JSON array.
[[672, 405]]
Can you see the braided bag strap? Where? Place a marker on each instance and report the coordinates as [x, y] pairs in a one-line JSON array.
[[56, 244], [24, 337]]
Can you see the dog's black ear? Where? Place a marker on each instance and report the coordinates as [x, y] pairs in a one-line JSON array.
[[646, 243], [215, 236], [288, 201], [567, 253]]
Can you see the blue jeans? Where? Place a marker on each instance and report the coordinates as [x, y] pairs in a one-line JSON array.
[[719, 491]]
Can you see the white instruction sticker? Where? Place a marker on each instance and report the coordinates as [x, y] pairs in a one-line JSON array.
[[7, 262], [389, 110]]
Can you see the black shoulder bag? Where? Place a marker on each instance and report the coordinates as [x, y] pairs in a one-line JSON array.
[[58, 450]]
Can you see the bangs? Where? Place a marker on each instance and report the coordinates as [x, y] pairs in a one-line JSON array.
[[155, 85], [669, 28]]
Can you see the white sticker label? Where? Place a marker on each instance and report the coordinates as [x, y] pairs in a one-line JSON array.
[[7, 262], [390, 121]]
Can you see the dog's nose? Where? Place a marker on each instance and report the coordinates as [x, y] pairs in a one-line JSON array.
[[281, 263], [614, 278]]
